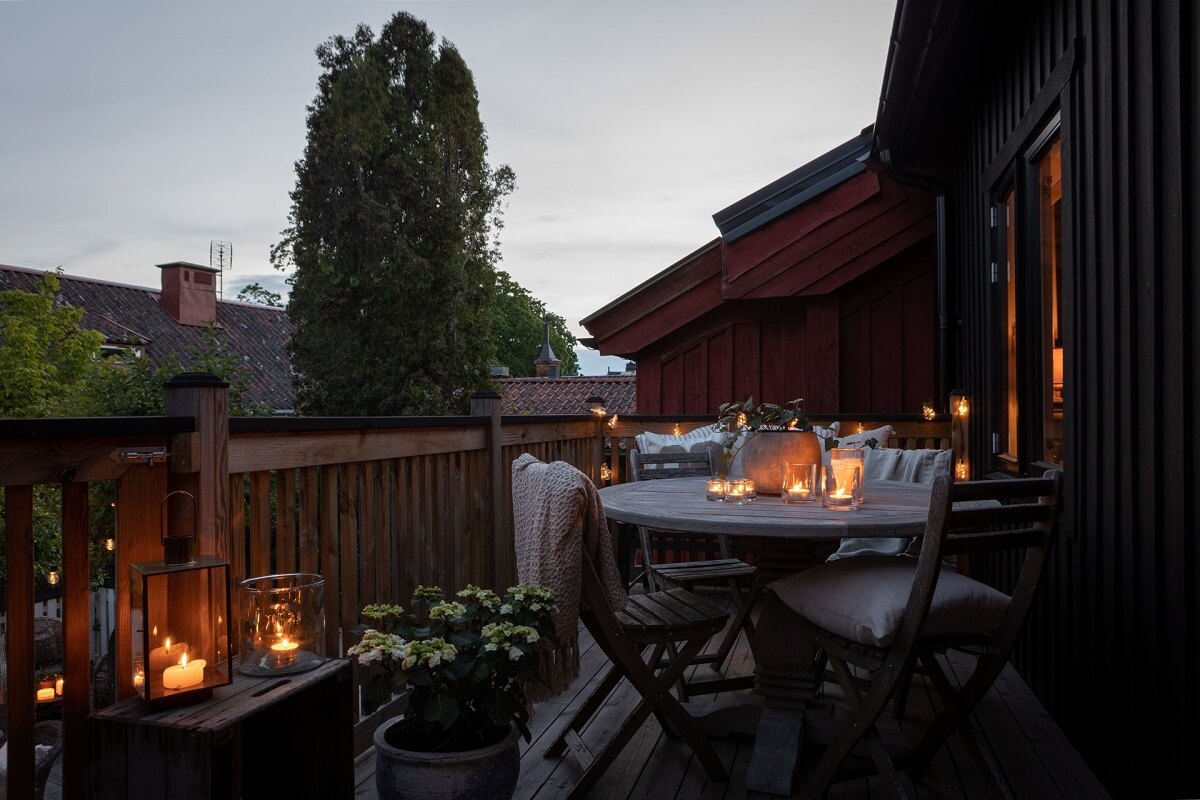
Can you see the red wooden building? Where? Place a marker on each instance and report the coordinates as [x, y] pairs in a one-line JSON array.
[[820, 285]]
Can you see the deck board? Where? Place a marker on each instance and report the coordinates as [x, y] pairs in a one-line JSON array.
[[1015, 729]]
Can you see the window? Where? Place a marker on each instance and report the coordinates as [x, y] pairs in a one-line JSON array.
[[1027, 274]]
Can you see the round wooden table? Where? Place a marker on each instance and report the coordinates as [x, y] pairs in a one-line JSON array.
[[783, 650], [891, 508]]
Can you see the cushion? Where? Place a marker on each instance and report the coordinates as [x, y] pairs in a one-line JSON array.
[[881, 435], [912, 466], [706, 438], [863, 600]]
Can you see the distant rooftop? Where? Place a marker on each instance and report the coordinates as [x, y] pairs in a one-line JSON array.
[[567, 395]]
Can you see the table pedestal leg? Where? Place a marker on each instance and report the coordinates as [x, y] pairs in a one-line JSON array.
[[783, 653]]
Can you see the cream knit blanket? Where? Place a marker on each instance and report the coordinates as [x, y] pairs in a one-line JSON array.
[[557, 512]]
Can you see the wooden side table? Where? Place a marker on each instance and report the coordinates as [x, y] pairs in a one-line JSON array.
[[290, 736]]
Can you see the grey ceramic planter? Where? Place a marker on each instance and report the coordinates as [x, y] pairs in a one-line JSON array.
[[489, 773]]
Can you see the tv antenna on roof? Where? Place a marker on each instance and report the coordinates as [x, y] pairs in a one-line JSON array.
[[220, 258]]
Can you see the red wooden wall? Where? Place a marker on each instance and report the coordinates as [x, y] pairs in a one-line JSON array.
[[867, 347]]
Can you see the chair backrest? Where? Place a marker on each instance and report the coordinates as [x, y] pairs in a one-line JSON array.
[[980, 517], [656, 466]]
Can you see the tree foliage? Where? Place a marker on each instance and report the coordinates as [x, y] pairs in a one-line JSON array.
[[52, 366], [517, 332], [392, 231], [257, 293], [46, 359]]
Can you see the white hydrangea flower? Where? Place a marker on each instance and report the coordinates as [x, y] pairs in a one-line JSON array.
[[506, 609]]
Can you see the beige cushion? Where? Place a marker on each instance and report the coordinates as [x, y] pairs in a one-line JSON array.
[[881, 435], [863, 600], [697, 441]]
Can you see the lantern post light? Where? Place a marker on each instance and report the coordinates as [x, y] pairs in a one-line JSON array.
[[180, 607], [960, 408]]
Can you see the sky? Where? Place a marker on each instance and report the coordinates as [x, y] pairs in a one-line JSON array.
[[134, 133]]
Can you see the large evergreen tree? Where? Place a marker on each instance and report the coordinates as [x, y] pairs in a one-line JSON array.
[[392, 229], [517, 330]]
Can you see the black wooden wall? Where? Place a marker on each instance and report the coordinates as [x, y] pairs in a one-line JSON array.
[[1112, 649]]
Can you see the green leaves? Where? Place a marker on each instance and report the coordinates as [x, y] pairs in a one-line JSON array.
[[440, 710], [393, 230]]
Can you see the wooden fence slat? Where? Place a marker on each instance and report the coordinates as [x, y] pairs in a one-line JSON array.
[[348, 524], [330, 561], [369, 534], [383, 525], [237, 529], [310, 534], [260, 523], [18, 519], [263, 451], [285, 524], [76, 638]]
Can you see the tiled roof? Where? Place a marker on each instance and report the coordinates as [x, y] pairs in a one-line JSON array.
[[131, 315], [567, 395]]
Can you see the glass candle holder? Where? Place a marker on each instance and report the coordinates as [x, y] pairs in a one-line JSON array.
[[851, 456], [800, 483], [841, 486], [715, 489], [735, 491], [750, 491], [282, 624]]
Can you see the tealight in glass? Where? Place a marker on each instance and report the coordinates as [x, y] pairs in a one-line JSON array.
[[715, 489], [842, 479], [800, 483]]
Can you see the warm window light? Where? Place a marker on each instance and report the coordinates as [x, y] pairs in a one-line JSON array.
[[928, 411], [52, 576]]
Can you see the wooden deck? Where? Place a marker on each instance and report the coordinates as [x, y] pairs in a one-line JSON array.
[[1017, 736]]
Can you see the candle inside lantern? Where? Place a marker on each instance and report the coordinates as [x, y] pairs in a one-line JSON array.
[[168, 654], [750, 490], [842, 458], [46, 694], [58, 687], [841, 485], [735, 491], [184, 674], [284, 652], [139, 677], [715, 489]]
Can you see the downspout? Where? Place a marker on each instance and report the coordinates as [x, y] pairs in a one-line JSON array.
[[934, 183]]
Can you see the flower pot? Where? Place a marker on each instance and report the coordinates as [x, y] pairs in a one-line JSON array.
[[763, 454], [489, 773]]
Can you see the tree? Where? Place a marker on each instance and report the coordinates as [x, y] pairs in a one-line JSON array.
[[392, 230], [46, 359], [257, 293], [51, 366], [517, 332]]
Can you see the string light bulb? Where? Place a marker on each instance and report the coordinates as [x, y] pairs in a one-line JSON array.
[[962, 406], [928, 411], [605, 473], [52, 577], [110, 543]]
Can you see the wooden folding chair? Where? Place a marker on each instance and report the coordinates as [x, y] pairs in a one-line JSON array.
[[884, 614], [735, 573], [651, 620]]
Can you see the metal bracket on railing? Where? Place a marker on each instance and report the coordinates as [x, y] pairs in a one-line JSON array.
[[131, 456]]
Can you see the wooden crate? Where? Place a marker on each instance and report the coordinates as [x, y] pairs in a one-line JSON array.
[[290, 736]]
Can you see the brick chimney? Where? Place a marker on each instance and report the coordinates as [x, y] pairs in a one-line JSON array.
[[547, 364], [189, 292]]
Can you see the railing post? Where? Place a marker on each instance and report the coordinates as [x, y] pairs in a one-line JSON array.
[[76, 619], [596, 406], [487, 404], [200, 460], [18, 512]]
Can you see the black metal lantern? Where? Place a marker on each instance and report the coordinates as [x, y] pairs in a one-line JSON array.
[[179, 612]]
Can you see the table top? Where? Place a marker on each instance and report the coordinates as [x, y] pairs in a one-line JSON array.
[[891, 508]]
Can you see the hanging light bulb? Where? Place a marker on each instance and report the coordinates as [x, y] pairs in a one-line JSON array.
[[962, 406], [52, 577], [110, 543], [928, 411]]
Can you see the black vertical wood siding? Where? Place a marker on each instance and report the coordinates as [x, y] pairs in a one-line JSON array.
[[1112, 648]]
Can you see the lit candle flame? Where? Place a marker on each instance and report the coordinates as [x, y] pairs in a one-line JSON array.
[[183, 660]]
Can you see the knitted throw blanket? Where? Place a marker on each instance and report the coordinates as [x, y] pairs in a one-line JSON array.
[[557, 513]]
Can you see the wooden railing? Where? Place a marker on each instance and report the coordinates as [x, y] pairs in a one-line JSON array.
[[73, 455], [376, 506]]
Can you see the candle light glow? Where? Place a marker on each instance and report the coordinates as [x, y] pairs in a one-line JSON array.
[[185, 674], [46, 694]]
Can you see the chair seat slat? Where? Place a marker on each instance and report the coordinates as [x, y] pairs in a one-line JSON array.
[[1018, 514]]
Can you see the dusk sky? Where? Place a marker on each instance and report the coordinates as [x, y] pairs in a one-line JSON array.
[[133, 133]]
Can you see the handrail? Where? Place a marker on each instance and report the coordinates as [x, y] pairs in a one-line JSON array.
[[109, 427]]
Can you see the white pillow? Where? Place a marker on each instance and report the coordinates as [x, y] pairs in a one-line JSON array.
[[699, 440], [881, 435], [910, 466]]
